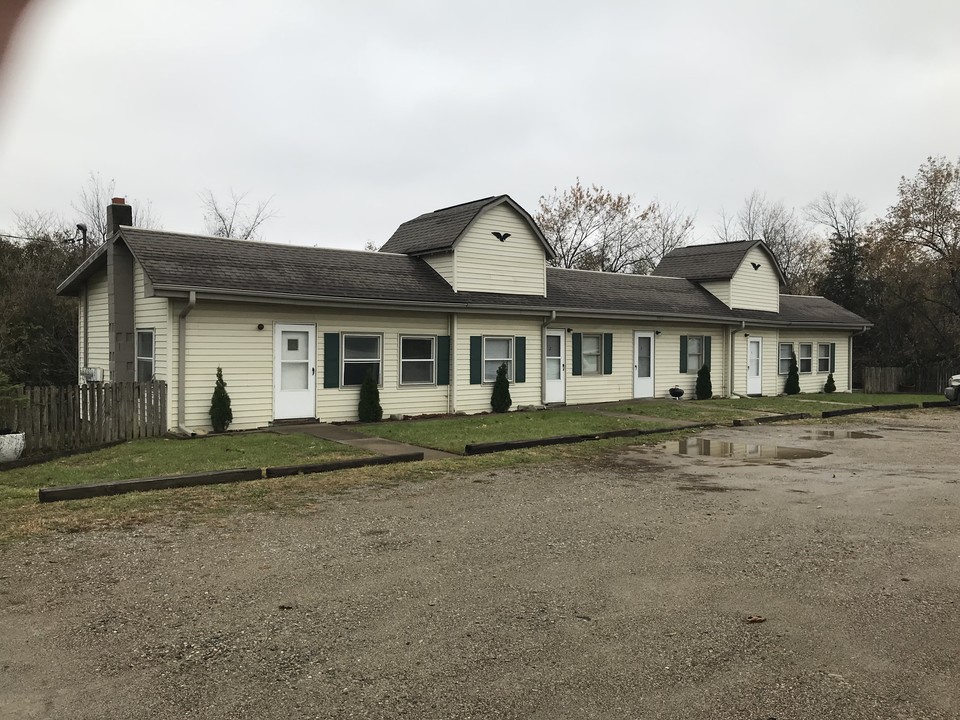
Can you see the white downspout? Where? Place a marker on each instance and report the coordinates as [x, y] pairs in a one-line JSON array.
[[451, 362], [731, 374], [182, 363], [543, 356]]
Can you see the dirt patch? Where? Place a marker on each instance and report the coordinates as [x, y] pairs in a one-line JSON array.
[[614, 589]]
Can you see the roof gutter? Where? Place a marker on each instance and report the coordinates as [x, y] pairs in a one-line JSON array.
[[182, 363]]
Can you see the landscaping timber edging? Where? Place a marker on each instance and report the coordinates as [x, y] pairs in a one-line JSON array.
[[213, 477], [771, 419], [938, 404], [492, 447], [848, 411]]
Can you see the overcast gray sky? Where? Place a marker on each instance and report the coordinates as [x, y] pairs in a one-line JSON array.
[[356, 116]]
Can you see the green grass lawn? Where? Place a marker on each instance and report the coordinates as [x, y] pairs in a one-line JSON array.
[[705, 411], [454, 433], [165, 456]]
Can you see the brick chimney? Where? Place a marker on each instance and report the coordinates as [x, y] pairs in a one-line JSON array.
[[118, 213], [120, 301]]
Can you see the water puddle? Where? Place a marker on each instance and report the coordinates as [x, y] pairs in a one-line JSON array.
[[840, 435], [740, 451]]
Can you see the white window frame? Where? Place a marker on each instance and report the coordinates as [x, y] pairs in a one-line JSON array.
[[808, 359], [781, 359], [432, 360], [694, 366], [509, 360], [138, 358], [823, 361], [584, 354], [364, 361]]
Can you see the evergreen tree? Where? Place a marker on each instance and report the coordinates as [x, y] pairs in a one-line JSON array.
[[369, 409], [500, 400], [792, 386], [830, 385], [220, 413], [704, 385]]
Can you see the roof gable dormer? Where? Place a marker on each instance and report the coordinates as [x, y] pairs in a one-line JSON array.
[[488, 245], [744, 275]]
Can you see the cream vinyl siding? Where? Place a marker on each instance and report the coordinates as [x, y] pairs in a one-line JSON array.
[[484, 264], [813, 382], [476, 398], [98, 346], [771, 383], [227, 334], [443, 264], [756, 289], [720, 289], [666, 361], [152, 313]]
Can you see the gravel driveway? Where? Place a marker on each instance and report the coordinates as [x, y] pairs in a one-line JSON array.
[[615, 589]]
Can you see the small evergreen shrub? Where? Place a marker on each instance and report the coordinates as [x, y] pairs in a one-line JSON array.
[[500, 400], [220, 413], [830, 385], [792, 386], [369, 408], [704, 385]]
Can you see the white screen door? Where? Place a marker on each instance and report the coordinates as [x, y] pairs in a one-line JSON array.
[[754, 366], [295, 372], [643, 364], [554, 378]]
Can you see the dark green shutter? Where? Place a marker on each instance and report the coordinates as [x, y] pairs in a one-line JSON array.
[[331, 360], [476, 359], [578, 354], [683, 353], [443, 360], [833, 357], [706, 350], [520, 360], [608, 353]]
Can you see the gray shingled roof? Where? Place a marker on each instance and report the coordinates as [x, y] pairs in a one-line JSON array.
[[190, 261], [178, 262], [717, 261], [439, 230]]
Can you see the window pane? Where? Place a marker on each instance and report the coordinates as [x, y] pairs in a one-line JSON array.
[[591, 344], [144, 344], [416, 371], [643, 366], [497, 348], [361, 347], [293, 345], [823, 358], [590, 364], [806, 350], [553, 346], [355, 372], [293, 376], [553, 368], [693, 345], [786, 350], [416, 348], [490, 369], [144, 370]]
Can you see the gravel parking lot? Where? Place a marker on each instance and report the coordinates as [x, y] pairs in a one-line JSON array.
[[619, 588]]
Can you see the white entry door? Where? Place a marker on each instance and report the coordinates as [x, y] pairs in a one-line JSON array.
[[642, 364], [554, 390], [754, 366], [294, 372]]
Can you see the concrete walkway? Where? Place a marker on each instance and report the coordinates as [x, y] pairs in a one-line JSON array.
[[347, 436]]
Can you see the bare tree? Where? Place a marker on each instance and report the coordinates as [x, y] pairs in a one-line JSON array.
[[91, 206], [843, 217], [371, 246], [592, 228], [233, 219], [795, 247]]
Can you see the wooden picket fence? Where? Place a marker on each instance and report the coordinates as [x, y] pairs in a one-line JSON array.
[[75, 417]]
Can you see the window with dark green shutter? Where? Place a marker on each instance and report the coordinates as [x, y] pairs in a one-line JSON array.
[[331, 360], [443, 360], [520, 359], [608, 353], [576, 356], [476, 359]]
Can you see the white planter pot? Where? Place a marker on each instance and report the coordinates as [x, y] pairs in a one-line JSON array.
[[11, 446]]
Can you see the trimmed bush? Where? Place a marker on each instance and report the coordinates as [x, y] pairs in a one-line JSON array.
[[792, 387], [830, 386], [369, 408], [500, 401], [704, 385], [220, 413]]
